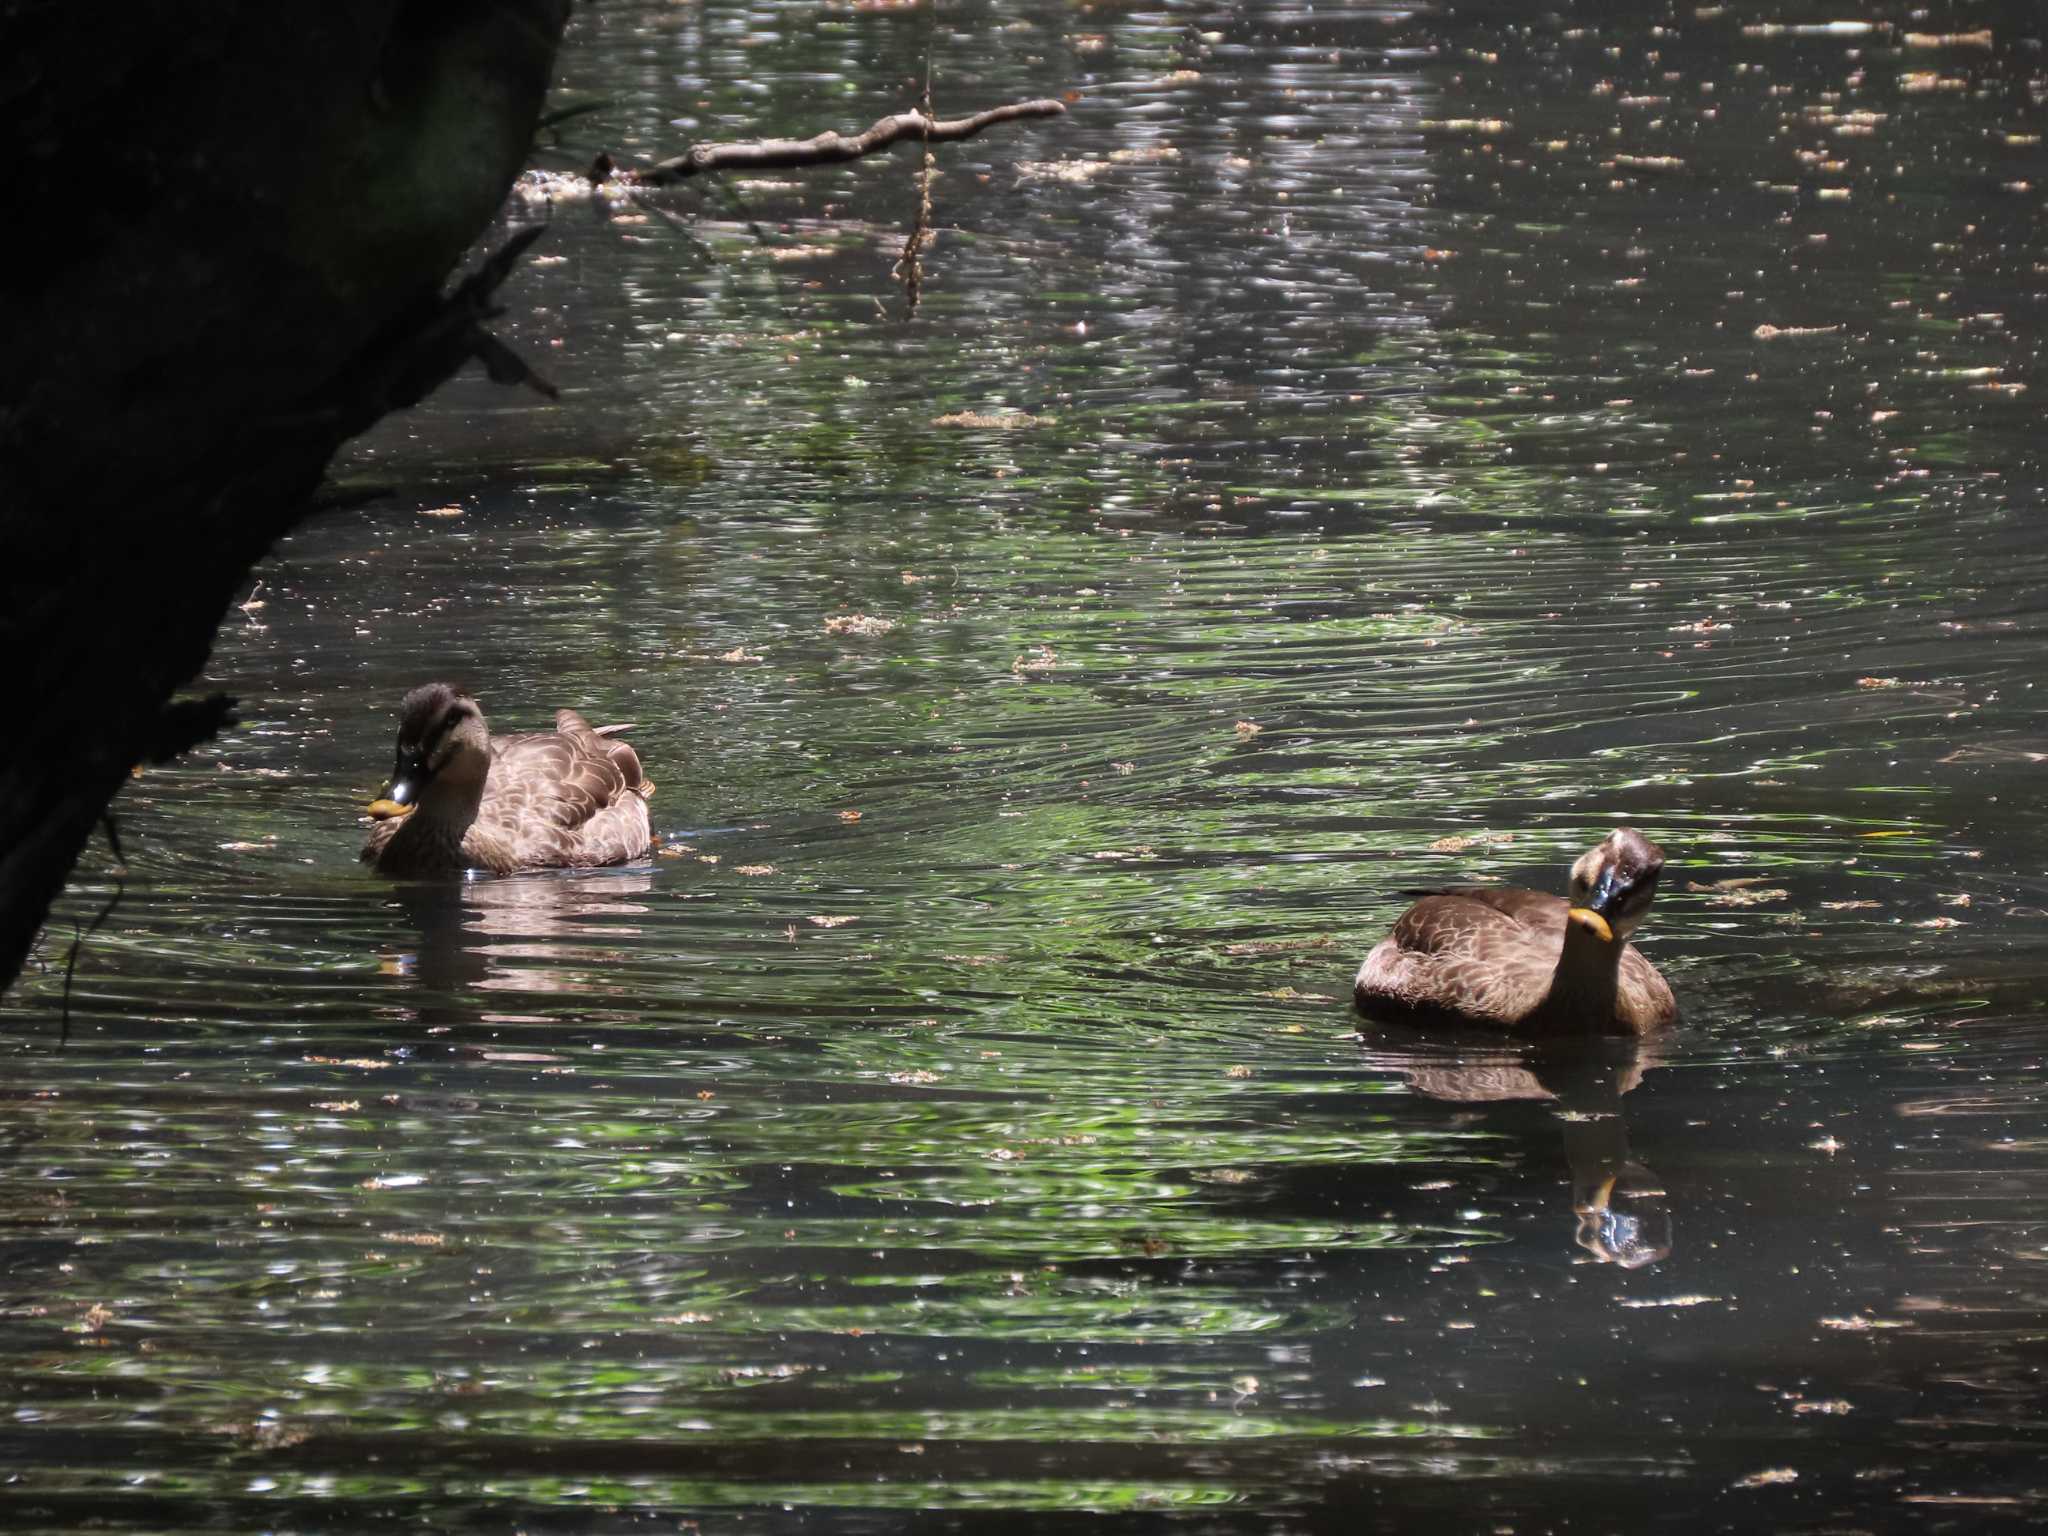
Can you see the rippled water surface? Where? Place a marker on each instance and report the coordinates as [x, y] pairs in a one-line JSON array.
[[1357, 448]]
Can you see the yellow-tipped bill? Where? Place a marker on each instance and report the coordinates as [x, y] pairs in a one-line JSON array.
[[1585, 917], [384, 810]]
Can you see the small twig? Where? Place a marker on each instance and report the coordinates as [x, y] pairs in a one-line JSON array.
[[909, 268], [78, 938], [829, 148]]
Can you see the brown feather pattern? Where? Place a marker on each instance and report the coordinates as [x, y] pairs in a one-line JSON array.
[[1496, 956], [566, 798]]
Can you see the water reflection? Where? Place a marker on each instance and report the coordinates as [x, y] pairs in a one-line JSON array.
[[1482, 419], [1618, 1205], [544, 932]]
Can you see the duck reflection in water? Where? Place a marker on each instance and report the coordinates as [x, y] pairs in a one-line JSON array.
[[553, 932], [1618, 1205]]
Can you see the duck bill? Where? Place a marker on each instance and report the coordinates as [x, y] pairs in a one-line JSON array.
[[1592, 922], [402, 797], [1603, 904]]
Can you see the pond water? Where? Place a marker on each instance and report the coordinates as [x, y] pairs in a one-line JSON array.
[[1356, 449]]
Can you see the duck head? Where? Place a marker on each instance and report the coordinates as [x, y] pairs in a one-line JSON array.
[[442, 743], [1614, 884]]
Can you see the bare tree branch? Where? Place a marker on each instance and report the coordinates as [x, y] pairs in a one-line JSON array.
[[829, 147]]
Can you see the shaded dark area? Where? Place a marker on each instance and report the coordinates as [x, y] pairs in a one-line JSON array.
[[245, 219]]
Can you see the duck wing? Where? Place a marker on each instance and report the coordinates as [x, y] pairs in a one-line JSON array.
[[1480, 954], [566, 798]]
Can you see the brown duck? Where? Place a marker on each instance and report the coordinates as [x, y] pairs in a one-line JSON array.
[[1525, 961], [463, 799]]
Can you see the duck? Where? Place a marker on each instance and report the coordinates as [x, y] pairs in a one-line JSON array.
[[1535, 964], [462, 799]]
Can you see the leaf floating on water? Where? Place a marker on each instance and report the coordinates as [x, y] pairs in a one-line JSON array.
[[1773, 332], [1278, 946], [1741, 891], [1223, 1175], [1237, 1071], [1464, 125], [831, 922], [1246, 730], [1459, 842], [753, 869], [860, 624], [778, 1372], [366, 1063], [1980, 39], [1861, 1324], [1040, 658], [1767, 1478], [1670, 1301], [1060, 170], [414, 1239], [1939, 922], [1825, 1405], [795, 252], [1001, 421], [918, 1077], [337, 1106], [1879, 682], [737, 656], [1289, 995], [1748, 898], [97, 1316], [849, 816], [1849, 906]]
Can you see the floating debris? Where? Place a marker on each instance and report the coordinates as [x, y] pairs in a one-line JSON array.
[[1768, 1478], [861, 624], [1000, 421], [1458, 842]]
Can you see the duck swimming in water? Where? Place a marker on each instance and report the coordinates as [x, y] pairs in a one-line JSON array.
[[461, 798], [1525, 961]]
